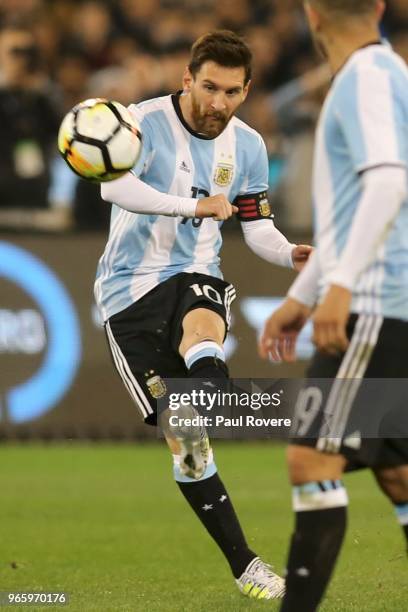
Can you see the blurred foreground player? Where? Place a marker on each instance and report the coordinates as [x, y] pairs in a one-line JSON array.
[[357, 281], [159, 285]]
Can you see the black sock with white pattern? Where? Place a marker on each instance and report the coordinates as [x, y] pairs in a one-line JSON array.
[[211, 503], [321, 516]]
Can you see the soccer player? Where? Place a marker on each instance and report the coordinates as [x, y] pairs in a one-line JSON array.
[[356, 286], [165, 304]]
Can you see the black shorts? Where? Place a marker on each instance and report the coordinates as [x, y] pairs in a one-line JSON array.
[[356, 404], [144, 338]]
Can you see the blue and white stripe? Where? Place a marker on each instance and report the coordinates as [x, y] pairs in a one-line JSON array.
[[319, 496], [350, 140], [206, 348]]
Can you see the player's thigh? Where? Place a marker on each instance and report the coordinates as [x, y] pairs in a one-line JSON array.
[[201, 324], [144, 358], [211, 297]]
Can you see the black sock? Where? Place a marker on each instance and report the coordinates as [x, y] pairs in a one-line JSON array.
[[210, 501], [211, 376], [208, 367], [315, 546]]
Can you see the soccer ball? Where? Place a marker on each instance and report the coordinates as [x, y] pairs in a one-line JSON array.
[[100, 140]]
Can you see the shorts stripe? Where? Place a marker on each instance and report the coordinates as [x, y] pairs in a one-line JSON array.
[[348, 381], [229, 297], [130, 382]]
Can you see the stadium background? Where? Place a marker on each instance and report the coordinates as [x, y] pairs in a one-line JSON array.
[[56, 379]]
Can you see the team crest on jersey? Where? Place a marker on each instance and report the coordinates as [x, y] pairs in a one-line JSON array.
[[156, 386], [223, 174]]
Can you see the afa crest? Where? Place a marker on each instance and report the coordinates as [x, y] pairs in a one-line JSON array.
[[223, 174], [156, 386], [264, 208]]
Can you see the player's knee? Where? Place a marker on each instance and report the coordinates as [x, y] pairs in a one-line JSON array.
[[197, 335], [306, 464], [394, 483], [200, 325]]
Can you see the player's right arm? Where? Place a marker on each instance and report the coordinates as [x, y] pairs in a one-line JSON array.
[[134, 195]]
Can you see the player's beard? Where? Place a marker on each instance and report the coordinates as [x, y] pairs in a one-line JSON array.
[[210, 123]]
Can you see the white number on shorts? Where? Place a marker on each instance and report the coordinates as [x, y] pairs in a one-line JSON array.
[[209, 292]]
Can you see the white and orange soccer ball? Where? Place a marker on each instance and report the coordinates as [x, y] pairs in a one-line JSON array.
[[100, 140]]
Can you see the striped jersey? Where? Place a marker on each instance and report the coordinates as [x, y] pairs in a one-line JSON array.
[[363, 124], [145, 250]]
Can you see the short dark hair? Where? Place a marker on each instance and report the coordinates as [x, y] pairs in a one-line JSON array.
[[223, 47], [347, 7]]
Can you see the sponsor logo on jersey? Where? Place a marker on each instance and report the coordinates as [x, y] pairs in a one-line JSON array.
[[156, 386], [183, 166], [223, 174]]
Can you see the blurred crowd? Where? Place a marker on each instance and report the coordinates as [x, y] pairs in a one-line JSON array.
[[54, 53]]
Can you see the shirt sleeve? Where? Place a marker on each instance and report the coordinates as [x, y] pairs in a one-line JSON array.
[[264, 239], [305, 288], [371, 223], [252, 200], [371, 118]]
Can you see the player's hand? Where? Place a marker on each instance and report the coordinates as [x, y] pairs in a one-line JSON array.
[[216, 207], [300, 255], [330, 320], [281, 330]]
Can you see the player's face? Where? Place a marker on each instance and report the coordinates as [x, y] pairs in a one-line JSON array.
[[216, 93]]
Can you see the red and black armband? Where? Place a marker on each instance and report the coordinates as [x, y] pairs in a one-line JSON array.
[[253, 206]]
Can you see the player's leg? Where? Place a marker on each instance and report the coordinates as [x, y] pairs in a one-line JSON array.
[[320, 506], [316, 464], [211, 503], [133, 341], [199, 334], [316, 475], [133, 356], [203, 330], [201, 347], [391, 471], [393, 481]]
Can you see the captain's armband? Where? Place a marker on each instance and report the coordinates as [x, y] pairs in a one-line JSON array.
[[253, 206]]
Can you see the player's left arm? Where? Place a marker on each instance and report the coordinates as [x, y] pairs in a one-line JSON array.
[[381, 163], [255, 215]]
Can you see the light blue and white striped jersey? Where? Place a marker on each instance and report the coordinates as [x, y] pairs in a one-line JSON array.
[[145, 250], [364, 124]]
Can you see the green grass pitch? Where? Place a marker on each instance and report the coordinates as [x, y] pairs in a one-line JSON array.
[[106, 524]]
